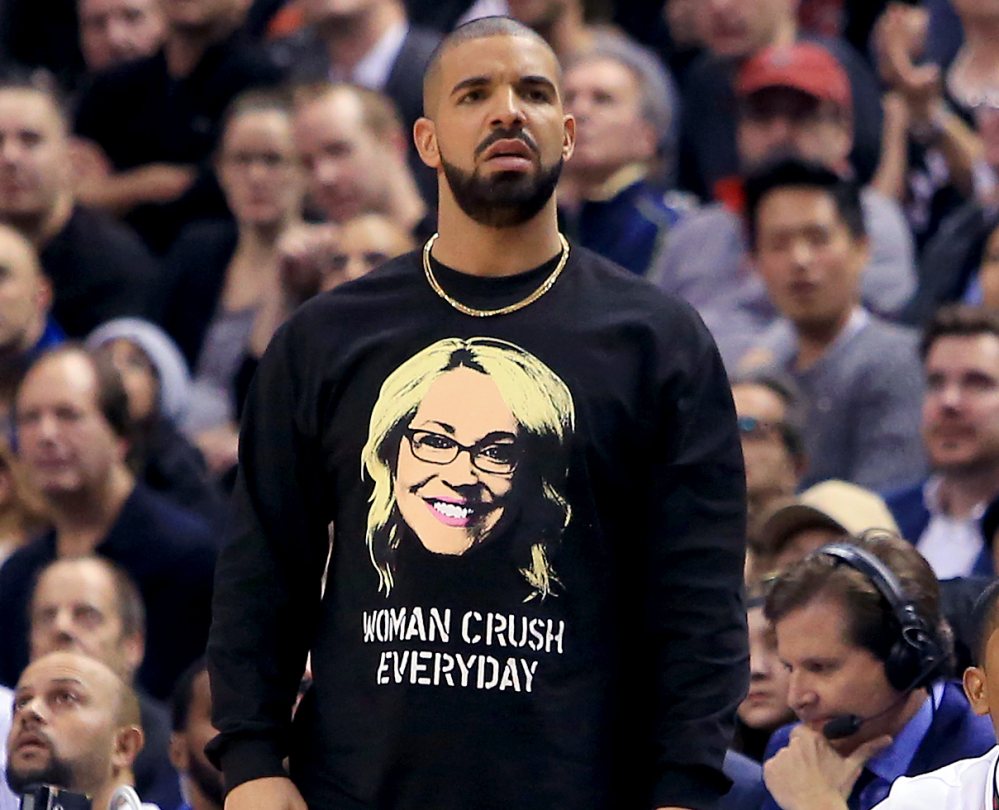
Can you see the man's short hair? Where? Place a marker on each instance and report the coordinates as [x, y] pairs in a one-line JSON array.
[[112, 399], [183, 694], [37, 80], [958, 320], [128, 600], [378, 112], [798, 173], [658, 96], [984, 621], [480, 28], [871, 621], [269, 99]]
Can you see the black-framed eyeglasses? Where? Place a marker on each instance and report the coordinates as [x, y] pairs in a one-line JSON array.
[[489, 455]]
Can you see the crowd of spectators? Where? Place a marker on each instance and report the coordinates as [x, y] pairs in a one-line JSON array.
[[818, 178]]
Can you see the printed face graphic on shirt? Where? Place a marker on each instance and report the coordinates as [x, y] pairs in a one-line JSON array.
[[457, 462], [467, 442]]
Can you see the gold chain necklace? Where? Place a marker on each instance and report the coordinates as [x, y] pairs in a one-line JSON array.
[[546, 285]]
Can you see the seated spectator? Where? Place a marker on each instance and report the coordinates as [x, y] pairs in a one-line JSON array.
[[734, 31], [27, 327], [825, 513], [73, 427], [117, 31], [620, 99], [158, 385], [859, 376], [372, 44], [8, 801], [765, 708], [97, 267], [191, 719], [76, 726], [960, 429], [320, 259], [88, 605], [964, 783], [860, 630], [354, 147], [567, 26], [792, 102], [153, 123], [220, 274], [929, 149], [769, 426]]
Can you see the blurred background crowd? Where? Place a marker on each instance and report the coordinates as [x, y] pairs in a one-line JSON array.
[[818, 178]]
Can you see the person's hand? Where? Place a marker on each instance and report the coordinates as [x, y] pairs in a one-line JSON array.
[[810, 775], [220, 448], [88, 162], [304, 260], [269, 793], [162, 182], [899, 38]]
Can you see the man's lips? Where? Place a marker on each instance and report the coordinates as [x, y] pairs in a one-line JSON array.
[[509, 153], [30, 741]]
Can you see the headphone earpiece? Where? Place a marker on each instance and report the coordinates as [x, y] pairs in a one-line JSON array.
[[917, 654]]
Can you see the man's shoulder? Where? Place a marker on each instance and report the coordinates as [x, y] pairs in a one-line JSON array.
[[147, 513], [419, 43], [960, 784]]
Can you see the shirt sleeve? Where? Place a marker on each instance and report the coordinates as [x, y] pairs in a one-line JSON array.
[[267, 591], [696, 554]]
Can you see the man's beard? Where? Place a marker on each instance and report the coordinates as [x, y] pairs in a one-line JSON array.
[[207, 779], [504, 200], [56, 772]]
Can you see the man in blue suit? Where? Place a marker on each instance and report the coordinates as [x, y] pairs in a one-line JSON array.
[[859, 627]]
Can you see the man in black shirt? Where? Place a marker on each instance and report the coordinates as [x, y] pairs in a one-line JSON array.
[[99, 269], [154, 122], [530, 461]]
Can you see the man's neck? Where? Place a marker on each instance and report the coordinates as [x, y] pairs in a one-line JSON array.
[[82, 520], [197, 799], [40, 228], [101, 798], [480, 250], [185, 48], [909, 709], [981, 43], [814, 340], [961, 491], [349, 39]]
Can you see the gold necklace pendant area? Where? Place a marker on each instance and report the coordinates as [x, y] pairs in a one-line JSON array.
[[546, 285]]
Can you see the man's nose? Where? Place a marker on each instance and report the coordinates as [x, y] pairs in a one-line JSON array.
[[326, 172], [508, 110], [800, 693]]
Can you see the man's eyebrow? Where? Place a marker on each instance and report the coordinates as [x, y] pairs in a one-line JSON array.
[[543, 80], [472, 81]]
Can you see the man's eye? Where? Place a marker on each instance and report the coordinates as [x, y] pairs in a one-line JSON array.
[[471, 96], [66, 697]]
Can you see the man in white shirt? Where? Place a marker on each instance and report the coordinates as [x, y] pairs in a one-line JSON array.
[[968, 784]]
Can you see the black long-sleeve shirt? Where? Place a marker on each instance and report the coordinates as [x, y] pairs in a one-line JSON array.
[[456, 681]]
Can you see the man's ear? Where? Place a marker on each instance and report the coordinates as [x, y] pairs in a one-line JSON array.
[[425, 138], [134, 648], [568, 136], [128, 741], [180, 757], [977, 689]]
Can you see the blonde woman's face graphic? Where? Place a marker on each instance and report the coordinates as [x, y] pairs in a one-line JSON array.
[[457, 462]]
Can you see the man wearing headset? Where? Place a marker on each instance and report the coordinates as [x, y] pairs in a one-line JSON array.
[[859, 627]]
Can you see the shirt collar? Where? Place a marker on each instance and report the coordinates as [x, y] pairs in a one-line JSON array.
[[894, 760], [617, 182], [374, 68], [931, 500]]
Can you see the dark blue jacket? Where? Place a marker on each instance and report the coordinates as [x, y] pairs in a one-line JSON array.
[[747, 792], [912, 516], [955, 733]]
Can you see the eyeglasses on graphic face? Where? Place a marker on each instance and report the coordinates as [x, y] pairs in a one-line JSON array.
[[489, 455]]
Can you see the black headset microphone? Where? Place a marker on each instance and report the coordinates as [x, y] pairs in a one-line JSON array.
[[914, 657]]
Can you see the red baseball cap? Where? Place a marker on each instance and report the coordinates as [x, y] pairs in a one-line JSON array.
[[804, 66]]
